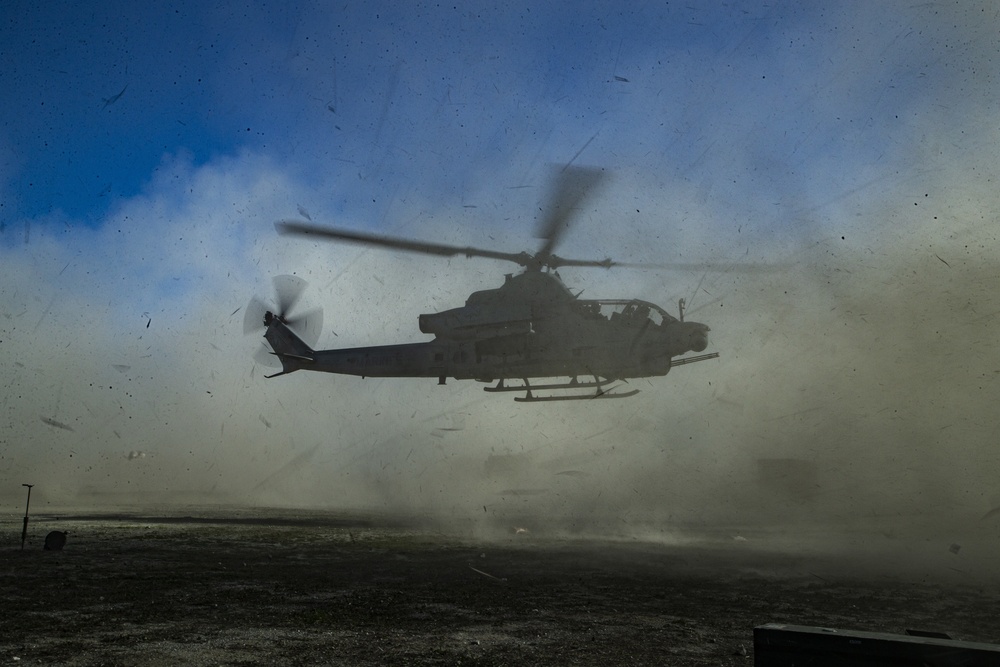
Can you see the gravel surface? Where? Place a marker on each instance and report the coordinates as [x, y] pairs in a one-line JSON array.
[[251, 588]]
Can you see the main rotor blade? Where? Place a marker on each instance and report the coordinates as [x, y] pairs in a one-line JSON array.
[[571, 186], [710, 267], [555, 261], [296, 228]]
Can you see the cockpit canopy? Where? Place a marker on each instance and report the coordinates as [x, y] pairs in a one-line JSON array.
[[626, 310]]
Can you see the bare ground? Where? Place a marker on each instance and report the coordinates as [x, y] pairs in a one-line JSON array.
[[283, 588]]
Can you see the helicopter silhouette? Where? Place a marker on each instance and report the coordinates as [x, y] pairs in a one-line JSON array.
[[530, 328]]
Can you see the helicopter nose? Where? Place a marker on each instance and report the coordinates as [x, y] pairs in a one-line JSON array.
[[697, 336]]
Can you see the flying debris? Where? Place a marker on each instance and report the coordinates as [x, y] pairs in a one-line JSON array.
[[457, 424], [531, 327], [57, 424], [108, 101], [486, 574], [989, 515]]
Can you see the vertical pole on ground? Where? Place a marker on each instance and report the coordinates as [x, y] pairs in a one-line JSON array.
[[24, 531]]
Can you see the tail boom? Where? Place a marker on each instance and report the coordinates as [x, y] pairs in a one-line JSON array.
[[407, 360]]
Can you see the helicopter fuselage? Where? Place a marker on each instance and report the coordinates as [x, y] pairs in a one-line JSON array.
[[499, 335], [528, 328]]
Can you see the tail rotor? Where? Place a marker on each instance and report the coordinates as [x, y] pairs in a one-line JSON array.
[[288, 290], [261, 315]]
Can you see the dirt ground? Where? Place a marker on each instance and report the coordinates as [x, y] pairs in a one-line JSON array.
[[252, 588]]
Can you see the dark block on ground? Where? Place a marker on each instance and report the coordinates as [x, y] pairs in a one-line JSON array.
[[55, 541], [777, 645]]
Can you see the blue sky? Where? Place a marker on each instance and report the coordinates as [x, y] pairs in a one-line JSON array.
[[432, 97], [145, 153]]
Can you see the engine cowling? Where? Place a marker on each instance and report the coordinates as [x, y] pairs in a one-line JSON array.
[[475, 322]]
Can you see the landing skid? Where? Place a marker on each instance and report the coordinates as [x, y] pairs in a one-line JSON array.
[[529, 397]]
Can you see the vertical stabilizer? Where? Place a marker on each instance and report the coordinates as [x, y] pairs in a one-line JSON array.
[[291, 350]]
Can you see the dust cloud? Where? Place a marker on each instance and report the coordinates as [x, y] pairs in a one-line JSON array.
[[857, 378]]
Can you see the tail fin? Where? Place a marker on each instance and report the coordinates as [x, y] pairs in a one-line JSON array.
[[291, 350]]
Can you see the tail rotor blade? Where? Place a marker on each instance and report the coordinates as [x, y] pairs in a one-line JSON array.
[[253, 318], [288, 290], [264, 357], [308, 326]]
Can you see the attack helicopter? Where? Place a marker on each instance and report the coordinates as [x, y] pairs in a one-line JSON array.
[[530, 334]]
